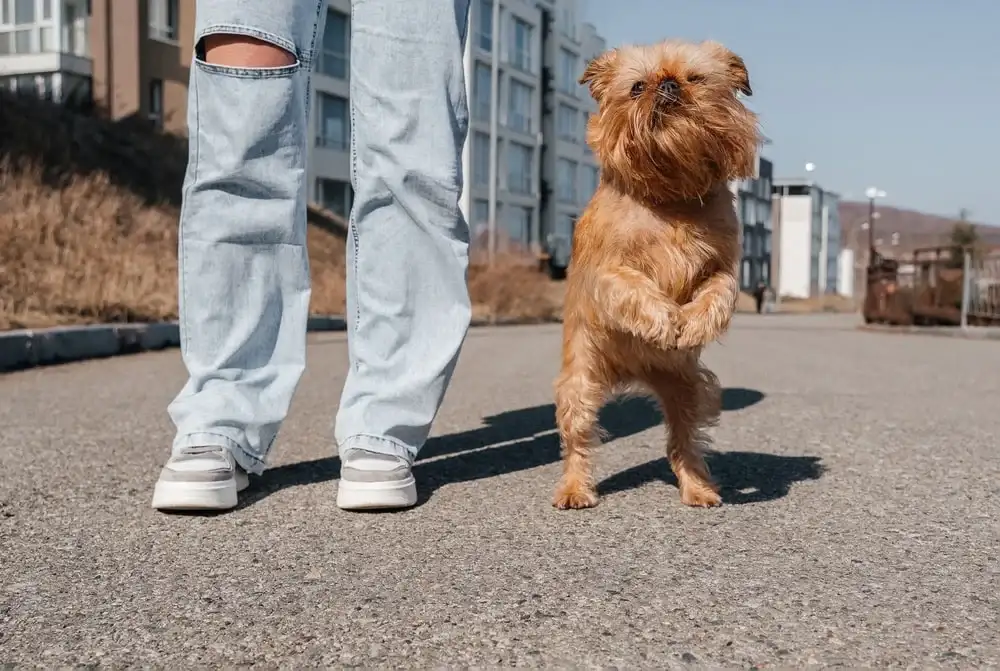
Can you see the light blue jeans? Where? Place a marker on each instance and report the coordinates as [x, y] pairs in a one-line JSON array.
[[244, 268]]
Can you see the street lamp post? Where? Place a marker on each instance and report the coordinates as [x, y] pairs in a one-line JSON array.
[[872, 193]]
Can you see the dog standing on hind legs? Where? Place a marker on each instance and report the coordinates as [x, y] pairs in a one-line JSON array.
[[654, 272]]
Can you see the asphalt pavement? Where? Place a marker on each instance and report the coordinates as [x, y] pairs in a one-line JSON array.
[[861, 526]]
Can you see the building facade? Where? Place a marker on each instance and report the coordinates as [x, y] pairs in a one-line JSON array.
[[753, 208], [329, 167], [133, 57], [807, 225], [529, 54]]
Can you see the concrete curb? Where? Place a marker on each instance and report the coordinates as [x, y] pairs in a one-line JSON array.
[[974, 333], [29, 348]]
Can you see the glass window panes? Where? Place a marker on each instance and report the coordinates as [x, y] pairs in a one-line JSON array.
[[335, 59], [334, 126], [485, 32], [566, 180], [567, 123], [519, 44], [567, 72], [519, 107], [480, 159], [335, 195], [519, 163], [481, 85]]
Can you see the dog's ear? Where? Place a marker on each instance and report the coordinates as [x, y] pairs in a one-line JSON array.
[[597, 74], [739, 70], [735, 67]]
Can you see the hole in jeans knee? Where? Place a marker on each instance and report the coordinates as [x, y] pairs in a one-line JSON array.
[[242, 51]]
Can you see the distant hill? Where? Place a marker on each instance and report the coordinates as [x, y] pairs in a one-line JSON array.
[[916, 229]]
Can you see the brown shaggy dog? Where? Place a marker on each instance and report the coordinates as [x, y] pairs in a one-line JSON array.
[[655, 256]]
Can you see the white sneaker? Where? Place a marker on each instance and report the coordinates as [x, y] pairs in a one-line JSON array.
[[371, 481], [199, 478]]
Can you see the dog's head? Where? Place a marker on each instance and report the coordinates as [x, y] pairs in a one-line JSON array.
[[669, 124]]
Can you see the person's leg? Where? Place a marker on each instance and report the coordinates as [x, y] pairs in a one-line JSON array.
[[244, 270], [408, 304]]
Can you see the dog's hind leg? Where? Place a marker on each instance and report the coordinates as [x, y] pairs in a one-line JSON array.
[[579, 397], [689, 396]]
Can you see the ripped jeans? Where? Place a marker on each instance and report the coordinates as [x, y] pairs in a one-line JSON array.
[[244, 266]]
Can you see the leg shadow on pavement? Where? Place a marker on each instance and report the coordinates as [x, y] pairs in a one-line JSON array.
[[744, 477], [511, 441]]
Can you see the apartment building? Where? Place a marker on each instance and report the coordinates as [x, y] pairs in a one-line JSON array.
[[522, 62], [569, 169], [807, 226], [753, 208], [329, 168], [523, 59], [131, 57]]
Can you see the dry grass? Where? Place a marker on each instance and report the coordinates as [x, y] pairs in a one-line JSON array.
[[833, 303], [88, 229]]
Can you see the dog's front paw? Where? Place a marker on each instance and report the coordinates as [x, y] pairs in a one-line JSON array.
[[574, 495], [664, 331], [700, 495], [700, 324]]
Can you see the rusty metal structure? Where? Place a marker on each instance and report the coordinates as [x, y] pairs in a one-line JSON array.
[[934, 286]]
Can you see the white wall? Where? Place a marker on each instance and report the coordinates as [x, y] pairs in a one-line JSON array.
[[845, 279], [795, 245]]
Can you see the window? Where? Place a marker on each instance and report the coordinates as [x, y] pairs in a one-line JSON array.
[[567, 72], [482, 83], [163, 19], [519, 44], [519, 161], [568, 22], [24, 12], [334, 123], [480, 159], [519, 107], [155, 102], [565, 224], [566, 181], [518, 221], [484, 34], [23, 30], [335, 196], [336, 57], [480, 214], [567, 123], [591, 178]]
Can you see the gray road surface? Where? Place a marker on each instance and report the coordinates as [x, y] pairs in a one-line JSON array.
[[861, 472]]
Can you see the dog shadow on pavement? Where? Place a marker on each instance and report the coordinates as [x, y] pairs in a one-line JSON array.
[[526, 438]]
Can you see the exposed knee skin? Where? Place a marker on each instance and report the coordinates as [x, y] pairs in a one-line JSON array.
[[241, 51]]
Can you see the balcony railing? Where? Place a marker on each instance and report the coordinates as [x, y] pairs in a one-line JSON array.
[[334, 64], [333, 142], [72, 39]]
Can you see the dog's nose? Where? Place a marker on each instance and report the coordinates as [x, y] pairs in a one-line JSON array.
[[669, 89]]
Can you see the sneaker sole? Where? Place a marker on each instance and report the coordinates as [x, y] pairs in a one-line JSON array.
[[195, 495], [377, 495]]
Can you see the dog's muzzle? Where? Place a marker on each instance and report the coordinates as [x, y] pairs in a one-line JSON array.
[[668, 92]]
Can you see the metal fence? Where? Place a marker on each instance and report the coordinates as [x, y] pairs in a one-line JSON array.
[[935, 287], [981, 295]]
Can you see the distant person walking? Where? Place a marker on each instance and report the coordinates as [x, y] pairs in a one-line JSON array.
[[244, 271], [759, 294]]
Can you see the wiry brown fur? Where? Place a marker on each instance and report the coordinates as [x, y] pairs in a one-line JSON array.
[[655, 257]]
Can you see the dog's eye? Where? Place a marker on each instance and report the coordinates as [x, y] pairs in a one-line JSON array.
[[638, 88], [696, 79]]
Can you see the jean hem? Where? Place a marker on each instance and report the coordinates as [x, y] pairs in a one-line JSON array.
[[249, 462], [378, 444]]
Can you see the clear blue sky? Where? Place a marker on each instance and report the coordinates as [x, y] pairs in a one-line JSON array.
[[901, 94]]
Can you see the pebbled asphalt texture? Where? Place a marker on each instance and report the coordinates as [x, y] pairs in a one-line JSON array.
[[861, 525]]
